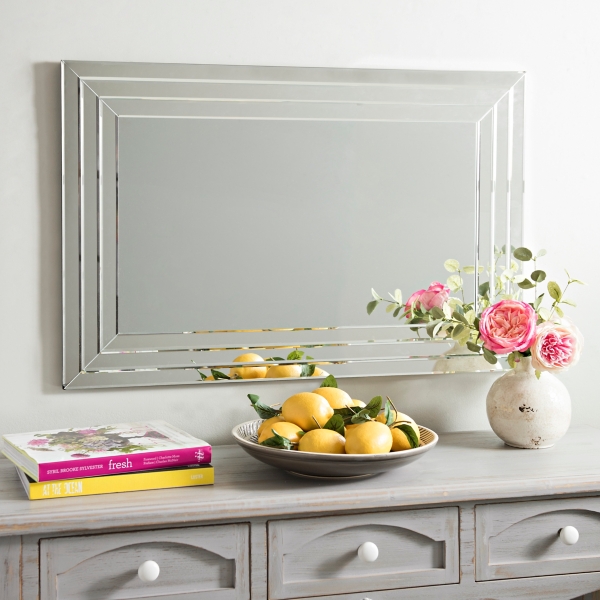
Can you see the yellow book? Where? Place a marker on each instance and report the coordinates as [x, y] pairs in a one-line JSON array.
[[126, 482]]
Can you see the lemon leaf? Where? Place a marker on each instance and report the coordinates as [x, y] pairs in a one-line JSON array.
[[202, 375], [372, 306], [410, 434], [262, 410], [307, 370], [388, 413], [273, 358], [295, 355], [361, 417], [374, 407], [345, 413], [336, 423], [219, 375], [329, 381], [277, 441]]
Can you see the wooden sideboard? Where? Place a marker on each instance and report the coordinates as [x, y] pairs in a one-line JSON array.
[[471, 520]]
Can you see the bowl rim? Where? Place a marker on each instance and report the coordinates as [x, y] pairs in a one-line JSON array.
[[339, 457]]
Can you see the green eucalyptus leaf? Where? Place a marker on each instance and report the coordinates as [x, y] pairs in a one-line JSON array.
[[454, 282], [538, 374], [459, 316], [329, 381], [452, 265], [336, 423], [457, 331], [554, 290], [411, 436], [544, 313], [219, 374], [262, 410], [396, 312], [469, 269], [376, 296], [484, 288], [578, 281], [430, 329], [538, 301], [541, 253], [523, 254], [568, 301], [538, 276], [526, 284], [511, 360], [490, 356], [559, 311], [437, 313], [474, 347], [277, 441], [372, 306]]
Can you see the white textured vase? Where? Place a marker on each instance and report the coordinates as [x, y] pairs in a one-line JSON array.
[[527, 412]]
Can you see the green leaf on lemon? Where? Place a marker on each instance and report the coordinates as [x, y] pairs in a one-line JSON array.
[[329, 381], [410, 434], [262, 410], [277, 441], [336, 423]]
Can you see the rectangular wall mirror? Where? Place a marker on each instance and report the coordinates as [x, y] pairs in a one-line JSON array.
[[210, 211]]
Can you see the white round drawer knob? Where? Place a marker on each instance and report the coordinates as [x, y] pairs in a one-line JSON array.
[[569, 535], [148, 571], [368, 552]]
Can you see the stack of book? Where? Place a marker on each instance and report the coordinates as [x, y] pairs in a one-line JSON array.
[[114, 458]]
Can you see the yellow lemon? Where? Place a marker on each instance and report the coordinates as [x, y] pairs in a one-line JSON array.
[[268, 423], [248, 372], [301, 408], [371, 437], [350, 428], [358, 403], [320, 373], [291, 431], [322, 440], [337, 398], [400, 438], [284, 371]]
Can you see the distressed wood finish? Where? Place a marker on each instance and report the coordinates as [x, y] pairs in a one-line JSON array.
[[467, 472], [10, 567], [520, 539], [494, 472], [196, 563], [312, 557]]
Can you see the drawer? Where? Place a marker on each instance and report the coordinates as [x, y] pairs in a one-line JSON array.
[[196, 563], [521, 539], [319, 556]]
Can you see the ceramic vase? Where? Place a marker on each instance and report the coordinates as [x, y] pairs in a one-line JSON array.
[[527, 412]]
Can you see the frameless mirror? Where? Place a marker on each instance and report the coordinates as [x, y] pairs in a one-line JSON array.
[[211, 211]]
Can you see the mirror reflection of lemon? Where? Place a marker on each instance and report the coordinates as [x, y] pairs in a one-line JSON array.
[[322, 440], [319, 373], [291, 431], [268, 423], [301, 408], [371, 437], [284, 371], [248, 372], [337, 398], [210, 378]]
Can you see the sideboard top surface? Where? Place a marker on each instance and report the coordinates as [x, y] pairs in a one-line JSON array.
[[470, 466]]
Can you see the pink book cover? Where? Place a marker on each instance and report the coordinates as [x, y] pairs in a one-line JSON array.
[[106, 450]]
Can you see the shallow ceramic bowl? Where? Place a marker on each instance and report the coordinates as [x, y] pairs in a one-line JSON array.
[[317, 464]]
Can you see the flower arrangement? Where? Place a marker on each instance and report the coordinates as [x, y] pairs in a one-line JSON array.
[[501, 321]]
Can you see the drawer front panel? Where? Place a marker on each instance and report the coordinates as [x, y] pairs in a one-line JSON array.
[[521, 539], [196, 563], [319, 556]]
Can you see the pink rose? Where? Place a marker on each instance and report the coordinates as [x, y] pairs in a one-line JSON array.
[[38, 442], [557, 346], [508, 326], [435, 295]]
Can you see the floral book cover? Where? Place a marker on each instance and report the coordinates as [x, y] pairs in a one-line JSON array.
[[106, 450]]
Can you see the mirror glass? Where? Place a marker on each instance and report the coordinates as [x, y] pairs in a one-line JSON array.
[[211, 211]]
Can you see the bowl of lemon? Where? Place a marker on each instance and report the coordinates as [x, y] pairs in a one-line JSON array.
[[326, 433]]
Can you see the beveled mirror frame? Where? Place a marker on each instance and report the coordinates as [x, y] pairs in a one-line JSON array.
[[96, 95]]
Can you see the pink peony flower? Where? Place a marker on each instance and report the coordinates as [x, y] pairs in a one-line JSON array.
[[38, 442], [508, 326], [435, 295], [557, 346]]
